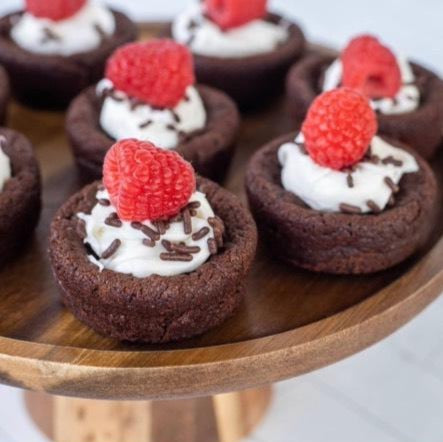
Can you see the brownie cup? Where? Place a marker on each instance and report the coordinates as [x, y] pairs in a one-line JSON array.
[[52, 81], [4, 95], [421, 129], [154, 309], [336, 242], [208, 150], [20, 196], [251, 80]]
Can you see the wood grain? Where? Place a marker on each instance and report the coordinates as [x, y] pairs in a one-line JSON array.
[[84, 420], [208, 419], [291, 321]]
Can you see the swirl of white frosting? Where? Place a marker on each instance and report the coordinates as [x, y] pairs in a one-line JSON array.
[[325, 189], [82, 32], [135, 258], [406, 100], [120, 119], [205, 37], [5, 168]]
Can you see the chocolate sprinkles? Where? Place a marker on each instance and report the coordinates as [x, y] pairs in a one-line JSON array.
[[112, 94], [111, 249], [173, 251], [181, 249], [192, 25], [187, 221], [391, 184], [350, 180], [201, 233], [349, 208], [100, 31], [373, 206], [104, 202], [136, 225], [373, 158], [190, 40], [49, 35], [302, 148], [176, 219], [148, 242], [145, 124], [175, 257], [175, 115], [167, 245], [391, 160], [135, 103], [113, 220], [194, 205], [184, 249], [161, 226], [150, 233]]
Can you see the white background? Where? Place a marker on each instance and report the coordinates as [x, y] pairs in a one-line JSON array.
[[392, 392], [414, 27]]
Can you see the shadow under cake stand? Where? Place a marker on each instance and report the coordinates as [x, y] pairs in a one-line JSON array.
[[290, 323]]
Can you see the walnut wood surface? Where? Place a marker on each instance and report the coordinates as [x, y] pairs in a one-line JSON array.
[[291, 321]]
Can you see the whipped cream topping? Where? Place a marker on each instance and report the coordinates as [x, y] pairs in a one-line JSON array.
[[148, 248], [406, 100], [82, 32], [369, 187], [122, 117], [205, 37], [5, 165]]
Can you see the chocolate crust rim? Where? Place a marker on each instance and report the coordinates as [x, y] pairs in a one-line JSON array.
[[290, 202], [117, 288], [25, 177], [81, 59], [310, 69], [339, 243], [89, 141], [293, 47]]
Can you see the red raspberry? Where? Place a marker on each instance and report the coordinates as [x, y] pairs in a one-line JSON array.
[[54, 9], [371, 68], [231, 13], [156, 72], [145, 182], [338, 128]]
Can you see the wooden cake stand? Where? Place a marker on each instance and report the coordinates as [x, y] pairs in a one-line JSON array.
[[291, 322]]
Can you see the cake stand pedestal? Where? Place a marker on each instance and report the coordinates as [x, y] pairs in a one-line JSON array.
[[220, 418]]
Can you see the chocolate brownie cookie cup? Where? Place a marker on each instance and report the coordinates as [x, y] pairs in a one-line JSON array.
[[335, 197], [409, 106], [239, 47], [144, 96], [19, 193], [54, 49], [155, 255]]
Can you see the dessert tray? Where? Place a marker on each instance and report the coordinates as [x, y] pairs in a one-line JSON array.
[[291, 321]]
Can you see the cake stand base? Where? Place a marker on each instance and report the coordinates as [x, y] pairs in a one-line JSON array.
[[220, 418]]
